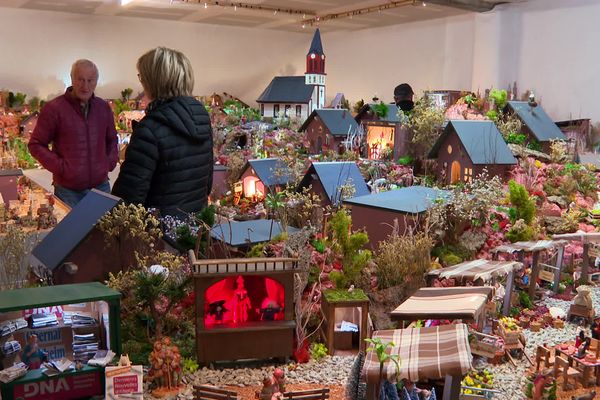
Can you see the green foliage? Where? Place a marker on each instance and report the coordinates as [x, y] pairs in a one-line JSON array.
[[492, 114], [499, 97], [205, 219], [451, 259], [185, 237], [24, 158], [138, 350], [120, 106], [470, 99], [514, 311], [16, 99], [516, 138], [534, 145], [318, 245], [380, 349], [257, 251], [126, 94], [350, 247], [523, 205], [406, 160], [380, 109], [336, 295], [237, 113], [34, 104], [358, 106], [520, 232], [451, 254], [425, 121], [318, 351], [525, 300], [189, 365]]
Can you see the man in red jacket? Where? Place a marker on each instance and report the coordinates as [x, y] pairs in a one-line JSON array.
[[80, 129]]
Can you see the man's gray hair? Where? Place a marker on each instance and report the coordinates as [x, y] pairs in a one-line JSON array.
[[83, 63]]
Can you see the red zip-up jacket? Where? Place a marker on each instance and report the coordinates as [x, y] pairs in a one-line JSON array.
[[83, 150]]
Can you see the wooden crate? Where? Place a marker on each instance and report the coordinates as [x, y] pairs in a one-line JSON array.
[[508, 336]]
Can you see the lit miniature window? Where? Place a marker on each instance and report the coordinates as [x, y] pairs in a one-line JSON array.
[[449, 149]]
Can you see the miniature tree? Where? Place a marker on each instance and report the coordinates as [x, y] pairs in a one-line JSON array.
[[522, 206], [165, 367], [349, 246], [126, 94]]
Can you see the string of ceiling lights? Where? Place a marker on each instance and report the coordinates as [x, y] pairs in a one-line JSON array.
[[314, 18]]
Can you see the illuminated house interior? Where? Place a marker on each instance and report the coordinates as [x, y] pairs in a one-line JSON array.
[[253, 187], [379, 138], [235, 300]]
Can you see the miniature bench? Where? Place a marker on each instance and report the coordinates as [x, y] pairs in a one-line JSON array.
[[206, 392], [315, 394]]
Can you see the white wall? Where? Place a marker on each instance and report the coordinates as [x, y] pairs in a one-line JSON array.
[[544, 45], [238, 61]]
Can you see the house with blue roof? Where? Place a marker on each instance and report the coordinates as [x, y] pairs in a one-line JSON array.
[[537, 125], [327, 129], [261, 176], [297, 96], [466, 148], [376, 213], [384, 134], [334, 181]]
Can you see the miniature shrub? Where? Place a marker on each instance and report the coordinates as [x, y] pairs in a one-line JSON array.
[[425, 121], [185, 238], [534, 145], [189, 365], [523, 207], [516, 138], [451, 259], [519, 232], [406, 160], [492, 114], [333, 295], [350, 247], [402, 256], [380, 109], [318, 351], [257, 251], [499, 97], [525, 300], [451, 253]]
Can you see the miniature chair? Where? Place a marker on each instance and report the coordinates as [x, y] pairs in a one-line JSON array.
[[595, 347], [206, 392], [316, 394], [561, 366], [546, 355]]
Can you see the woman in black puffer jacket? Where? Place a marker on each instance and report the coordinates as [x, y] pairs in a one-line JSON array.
[[169, 161]]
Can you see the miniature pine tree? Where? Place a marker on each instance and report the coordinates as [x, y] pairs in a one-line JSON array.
[[522, 206]]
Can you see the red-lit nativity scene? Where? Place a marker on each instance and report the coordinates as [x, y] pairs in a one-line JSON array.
[[443, 246]]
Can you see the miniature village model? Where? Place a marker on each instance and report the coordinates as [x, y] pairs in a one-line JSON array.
[[446, 251]]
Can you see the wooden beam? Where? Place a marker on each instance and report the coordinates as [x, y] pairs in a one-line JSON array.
[[510, 280], [451, 388], [585, 265], [559, 264], [535, 272]]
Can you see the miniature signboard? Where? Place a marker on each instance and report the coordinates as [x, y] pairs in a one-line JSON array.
[[126, 380], [547, 276]]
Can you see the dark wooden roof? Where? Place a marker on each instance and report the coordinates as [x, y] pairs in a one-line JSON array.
[[271, 171], [339, 121], [335, 174], [287, 89], [538, 122], [411, 200]]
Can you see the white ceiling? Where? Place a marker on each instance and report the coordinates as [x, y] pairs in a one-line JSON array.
[[233, 12]]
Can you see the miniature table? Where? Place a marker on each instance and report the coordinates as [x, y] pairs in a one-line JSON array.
[[586, 365], [329, 304]]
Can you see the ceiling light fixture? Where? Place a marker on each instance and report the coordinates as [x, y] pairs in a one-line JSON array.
[[366, 10], [250, 6], [125, 2], [205, 5], [424, 4]]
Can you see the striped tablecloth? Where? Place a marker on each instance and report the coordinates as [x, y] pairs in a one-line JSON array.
[[430, 353]]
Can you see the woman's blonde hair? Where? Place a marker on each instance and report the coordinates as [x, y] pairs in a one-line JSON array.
[[166, 73]]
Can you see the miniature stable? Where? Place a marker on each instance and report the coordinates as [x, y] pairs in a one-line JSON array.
[[339, 306], [60, 339], [244, 308]]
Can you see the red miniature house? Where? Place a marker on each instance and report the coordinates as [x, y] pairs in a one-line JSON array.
[[244, 308]]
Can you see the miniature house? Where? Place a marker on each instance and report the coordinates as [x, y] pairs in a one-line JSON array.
[[219, 182], [244, 308], [236, 238], [338, 101], [76, 251], [578, 132], [327, 129], [297, 96], [376, 213], [262, 176], [9, 179], [384, 133], [334, 181], [537, 125], [444, 98], [466, 148]]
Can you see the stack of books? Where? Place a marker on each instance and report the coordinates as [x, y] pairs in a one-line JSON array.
[[11, 347], [43, 320], [78, 319], [84, 346], [8, 327], [12, 373], [102, 358]]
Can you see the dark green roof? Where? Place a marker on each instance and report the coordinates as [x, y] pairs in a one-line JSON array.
[[481, 139], [287, 89], [271, 171], [538, 122], [340, 122], [335, 174], [247, 233], [392, 114], [411, 200], [19, 299]]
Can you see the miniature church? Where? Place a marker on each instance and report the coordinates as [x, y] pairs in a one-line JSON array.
[[297, 96]]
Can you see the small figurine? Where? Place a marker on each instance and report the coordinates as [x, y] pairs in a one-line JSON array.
[[279, 380], [580, 338], [33, 356], [217, 308], [269, 310], [581, 350], [268, 390], [241, 302], [124, 360], [539, 383], [596, 329]]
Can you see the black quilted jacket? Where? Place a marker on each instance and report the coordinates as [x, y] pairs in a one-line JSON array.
[[169, 161]]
